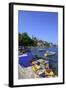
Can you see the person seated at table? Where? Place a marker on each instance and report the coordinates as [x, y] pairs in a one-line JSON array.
[[35, 66], [48, 72]]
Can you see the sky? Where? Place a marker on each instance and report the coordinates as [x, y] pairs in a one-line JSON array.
[[43, 25]]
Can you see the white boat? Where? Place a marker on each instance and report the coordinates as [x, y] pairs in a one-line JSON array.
[[40, 50], [48, 53], [23, 55]]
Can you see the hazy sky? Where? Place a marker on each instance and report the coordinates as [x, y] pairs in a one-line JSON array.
[[43, 25]]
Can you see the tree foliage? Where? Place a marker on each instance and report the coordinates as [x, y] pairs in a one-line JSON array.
[[25, 40]]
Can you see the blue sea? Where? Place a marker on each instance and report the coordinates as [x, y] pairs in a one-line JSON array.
[[25, 61]]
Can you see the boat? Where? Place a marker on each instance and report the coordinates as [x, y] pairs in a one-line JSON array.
[[49, 53], [23, 55], [40, 50]]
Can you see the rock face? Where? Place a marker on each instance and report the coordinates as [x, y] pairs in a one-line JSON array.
[[26, 73]]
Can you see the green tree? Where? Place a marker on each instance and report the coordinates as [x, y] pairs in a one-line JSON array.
[[34, 41], [20, 39], [24, 39]]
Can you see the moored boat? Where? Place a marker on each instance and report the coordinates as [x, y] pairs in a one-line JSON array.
[[48, 53]]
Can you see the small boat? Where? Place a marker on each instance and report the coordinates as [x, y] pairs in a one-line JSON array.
[[40, 50], [23, 55], [48, 53]]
